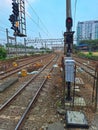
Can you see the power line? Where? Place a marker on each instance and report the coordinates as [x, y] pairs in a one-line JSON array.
[[38, 17], [36, 14], [4, 24], [31, 18], [35, 22], [2, 29]]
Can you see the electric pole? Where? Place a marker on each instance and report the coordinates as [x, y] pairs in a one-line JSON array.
[[68, 9], [7, 40], [68, 42]]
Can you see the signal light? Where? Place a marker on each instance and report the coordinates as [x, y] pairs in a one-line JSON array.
[[17, 31], [17, 24], [69, 23], [69, 38], [13, 27], [12, 18], [15, 8]]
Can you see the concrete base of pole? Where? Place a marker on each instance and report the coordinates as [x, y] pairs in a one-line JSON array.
[[76, 119]]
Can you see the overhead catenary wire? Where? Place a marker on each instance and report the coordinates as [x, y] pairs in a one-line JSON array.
[[35, 22], [4, 25], [2, 30], [38, 18], [37, 15]]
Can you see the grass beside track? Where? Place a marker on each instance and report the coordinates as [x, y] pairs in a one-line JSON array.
[[89, 55], [93, 53]]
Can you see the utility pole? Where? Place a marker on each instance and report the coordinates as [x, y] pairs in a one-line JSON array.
[[68, 14], [68, 41], [7, 39], [25, 46], [16, 45], [7, 35], [68, 9]]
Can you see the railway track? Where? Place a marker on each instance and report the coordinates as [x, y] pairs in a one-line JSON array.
[[14, 111], [84, 66], [22, 66], [6, 94], [92, 63]]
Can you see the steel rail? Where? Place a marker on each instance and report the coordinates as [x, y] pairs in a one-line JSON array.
[[19, 68], [85, 69], [20, 90], [90, 67], [33, 100]]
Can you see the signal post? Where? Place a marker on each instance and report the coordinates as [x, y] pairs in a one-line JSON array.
[[17, 18], [69, 63]]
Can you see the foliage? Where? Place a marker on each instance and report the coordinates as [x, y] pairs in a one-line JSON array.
[[89, 55], [75, 50], [92, 44], [19, 46], [3, 53], [42, 48]]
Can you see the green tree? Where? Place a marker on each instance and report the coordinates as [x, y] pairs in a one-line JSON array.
[[92, 44], [3, 53]]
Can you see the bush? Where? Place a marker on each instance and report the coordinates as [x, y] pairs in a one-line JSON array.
[[88, 56], [3, 53]]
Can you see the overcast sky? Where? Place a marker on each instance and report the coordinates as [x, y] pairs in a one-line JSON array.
[[49, 19]]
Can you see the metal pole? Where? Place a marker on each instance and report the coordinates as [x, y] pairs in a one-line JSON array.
[[68, 8], [68, 14], [16, 45], [96, 98], [68, 91], [7, 40], [68, 46], [25, 46]]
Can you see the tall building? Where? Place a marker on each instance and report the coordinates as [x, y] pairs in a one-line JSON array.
[[87, 30]]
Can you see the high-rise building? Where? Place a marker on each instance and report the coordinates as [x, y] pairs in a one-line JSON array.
[[87, 30]]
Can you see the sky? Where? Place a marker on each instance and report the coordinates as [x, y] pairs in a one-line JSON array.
[[46, 18]]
